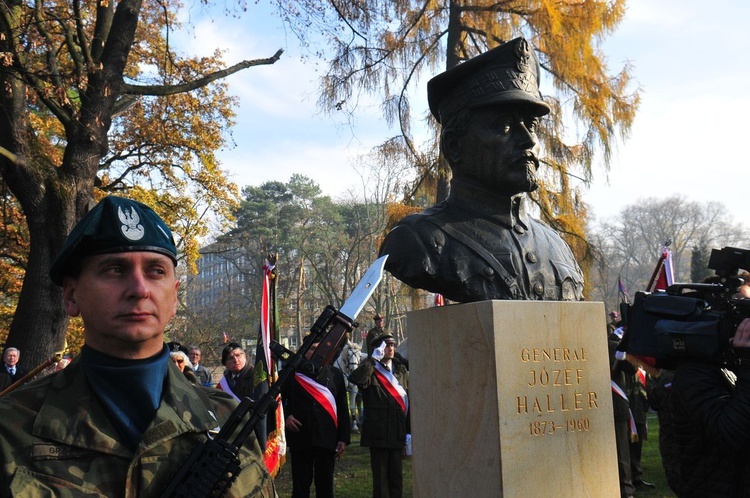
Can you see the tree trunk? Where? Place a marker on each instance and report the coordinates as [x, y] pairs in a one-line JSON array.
[[453, 43], [40, 321], [54, 197]]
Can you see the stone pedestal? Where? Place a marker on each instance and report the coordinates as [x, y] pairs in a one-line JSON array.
[[511, 399]]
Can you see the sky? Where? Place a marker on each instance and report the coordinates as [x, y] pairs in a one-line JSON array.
[[691, 62]]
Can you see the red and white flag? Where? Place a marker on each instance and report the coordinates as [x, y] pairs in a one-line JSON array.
[[266, 313], [265, 372], [641, 376], [663, 275]]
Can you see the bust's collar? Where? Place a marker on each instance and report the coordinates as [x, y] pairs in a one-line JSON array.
[[475, 199]]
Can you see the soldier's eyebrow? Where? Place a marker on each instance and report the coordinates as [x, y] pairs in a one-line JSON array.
[[108, 259], [121, 259]]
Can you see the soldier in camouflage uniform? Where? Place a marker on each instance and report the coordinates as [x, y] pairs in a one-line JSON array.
[[121, 418]]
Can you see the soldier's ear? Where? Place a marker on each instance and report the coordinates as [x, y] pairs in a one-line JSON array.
[[69, 297]]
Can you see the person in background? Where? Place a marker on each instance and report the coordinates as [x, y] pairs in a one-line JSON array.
[[635, 387], [11, 365], [625, 428], [5, 381], [317, 428], [180, 359], [121, 419], [204, 376], [711, 422], [375, 331], [614, 322], [239, 381], [659, 391], [384, 384], [238, 376]]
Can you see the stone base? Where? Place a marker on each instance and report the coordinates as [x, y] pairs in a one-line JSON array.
[[511, 399]]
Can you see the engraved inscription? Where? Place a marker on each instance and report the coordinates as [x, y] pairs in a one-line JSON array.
[[558, 374]]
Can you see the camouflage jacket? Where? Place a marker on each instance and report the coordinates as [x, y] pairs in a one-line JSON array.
[[56, 440]]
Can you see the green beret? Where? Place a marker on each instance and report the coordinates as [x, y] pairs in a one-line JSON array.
[[114, 225], [507, 74]]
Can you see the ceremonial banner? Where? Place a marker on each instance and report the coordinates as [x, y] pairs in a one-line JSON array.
[[265, 371], [663, 275]]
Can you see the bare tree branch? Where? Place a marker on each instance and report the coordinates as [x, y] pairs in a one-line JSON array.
[[162, 90]]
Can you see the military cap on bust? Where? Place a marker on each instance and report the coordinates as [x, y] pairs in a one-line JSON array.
[[506, 74], [114, 225], [378, 340]]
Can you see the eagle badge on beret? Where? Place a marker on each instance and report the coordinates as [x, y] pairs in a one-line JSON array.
[[131, 224]]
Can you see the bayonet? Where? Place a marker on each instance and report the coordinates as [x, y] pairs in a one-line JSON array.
[[213, 465], [364, 289]]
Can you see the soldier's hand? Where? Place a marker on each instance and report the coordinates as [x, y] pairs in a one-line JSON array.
[[379, 353]]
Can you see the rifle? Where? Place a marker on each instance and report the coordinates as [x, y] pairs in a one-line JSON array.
[[213, 465]]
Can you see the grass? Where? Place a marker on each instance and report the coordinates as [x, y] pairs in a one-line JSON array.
[[352, 478]]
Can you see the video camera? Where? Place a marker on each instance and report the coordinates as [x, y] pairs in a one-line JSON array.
[[689, 320]]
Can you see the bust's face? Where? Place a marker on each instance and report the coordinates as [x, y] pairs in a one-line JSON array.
[[499, 149]]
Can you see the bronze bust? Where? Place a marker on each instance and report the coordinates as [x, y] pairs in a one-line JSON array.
[[480, 243]]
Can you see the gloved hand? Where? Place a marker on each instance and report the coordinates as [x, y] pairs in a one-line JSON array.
[[379, 352]]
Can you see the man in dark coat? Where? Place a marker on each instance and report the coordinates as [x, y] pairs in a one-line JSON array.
[[204, 376], [238, 377], [635, 387], [480, 243], [11, 365], [239, 381], [375, 331], [659, 397], [711, 423], [384, 384], [317, 428]]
